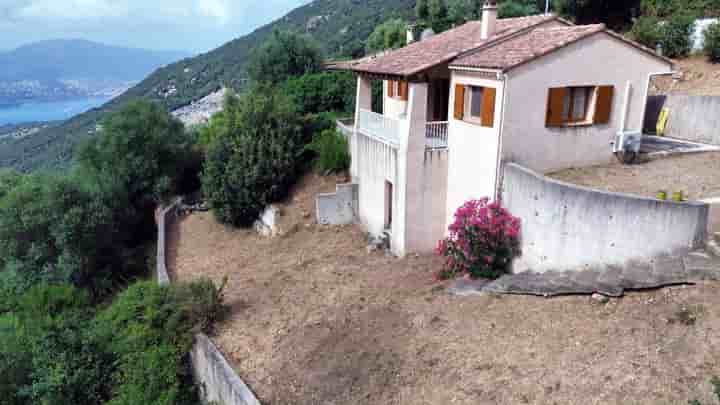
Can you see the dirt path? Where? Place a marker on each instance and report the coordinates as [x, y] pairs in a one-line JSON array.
[[318, 320], [697, 175]]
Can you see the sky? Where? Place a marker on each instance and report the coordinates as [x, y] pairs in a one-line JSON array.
[[188, 25]]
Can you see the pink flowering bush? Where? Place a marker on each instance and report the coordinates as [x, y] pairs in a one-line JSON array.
[[483, 241]]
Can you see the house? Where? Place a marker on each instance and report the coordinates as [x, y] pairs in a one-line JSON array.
[[537, 90]]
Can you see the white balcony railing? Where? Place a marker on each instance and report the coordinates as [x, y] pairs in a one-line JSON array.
[[379, 126], [436, 135]]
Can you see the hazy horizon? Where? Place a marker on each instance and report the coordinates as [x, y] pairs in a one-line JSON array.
[[194, 26]]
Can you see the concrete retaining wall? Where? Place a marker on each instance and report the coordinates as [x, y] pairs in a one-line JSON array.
[[217, 380], [693, 118], [338, 208], [567, 227]]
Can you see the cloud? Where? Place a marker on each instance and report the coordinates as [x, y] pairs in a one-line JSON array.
[[218, 9], [191, 24]]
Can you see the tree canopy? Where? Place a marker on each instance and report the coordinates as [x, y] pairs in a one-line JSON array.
[[282, 56], [391, 34]]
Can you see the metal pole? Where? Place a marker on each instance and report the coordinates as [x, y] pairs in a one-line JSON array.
[[547, 6]]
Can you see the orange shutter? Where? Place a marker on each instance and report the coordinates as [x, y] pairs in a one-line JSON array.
[[556, 101], [487, 118], [403, 90], [603, 107], [391, 88], [459, 101]]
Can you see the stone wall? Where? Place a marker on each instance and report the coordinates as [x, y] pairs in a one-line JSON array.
[[567, 227], [217, 380]]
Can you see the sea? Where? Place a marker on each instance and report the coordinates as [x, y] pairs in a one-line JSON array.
[[48, 111]]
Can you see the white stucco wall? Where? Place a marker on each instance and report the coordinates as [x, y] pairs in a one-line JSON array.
[[473, 149], [429, 224], [376, 164], [393, 106], [597, 60]]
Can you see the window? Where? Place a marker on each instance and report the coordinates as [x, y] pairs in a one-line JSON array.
[[475, 104], [585, 105], [576, 103], [476, 98], [397, 89]]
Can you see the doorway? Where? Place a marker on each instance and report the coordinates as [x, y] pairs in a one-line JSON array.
[[388, 205]]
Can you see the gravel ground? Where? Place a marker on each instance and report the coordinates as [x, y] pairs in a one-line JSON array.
[[316, 319], [697, 175]]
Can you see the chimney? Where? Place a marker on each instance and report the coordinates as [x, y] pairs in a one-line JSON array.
[[410, 38], [489, 19]]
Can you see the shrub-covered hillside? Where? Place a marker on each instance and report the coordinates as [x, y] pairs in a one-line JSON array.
[[340, 27]]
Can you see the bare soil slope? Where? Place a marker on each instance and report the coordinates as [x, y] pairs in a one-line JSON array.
[[316, 319], [699, 77]]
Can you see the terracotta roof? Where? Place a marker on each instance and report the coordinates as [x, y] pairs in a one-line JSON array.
[[534, 44], [442, 47], [526, 47]]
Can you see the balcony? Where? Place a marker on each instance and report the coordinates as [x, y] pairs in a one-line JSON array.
[[436, 135], [381, 127]]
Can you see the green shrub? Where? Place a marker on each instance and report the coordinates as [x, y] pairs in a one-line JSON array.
[[322, 92], [674, 34], [332, 150], [646, 30], [712, 43], [255, 157], [515, 8]]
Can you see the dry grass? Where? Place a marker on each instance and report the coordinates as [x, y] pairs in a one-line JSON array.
[[697, 175], [318, 320]]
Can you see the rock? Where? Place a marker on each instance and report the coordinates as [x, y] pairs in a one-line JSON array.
[[599, 298]]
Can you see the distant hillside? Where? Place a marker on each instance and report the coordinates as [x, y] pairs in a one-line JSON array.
[[63, 69], [339, 26]]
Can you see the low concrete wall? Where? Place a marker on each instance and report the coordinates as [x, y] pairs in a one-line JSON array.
[[694, 118], [217, 380], [567, 227], [338, 208], [714, 221]]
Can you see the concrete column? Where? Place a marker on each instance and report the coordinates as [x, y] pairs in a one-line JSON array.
[[363, 101], [411, 155]]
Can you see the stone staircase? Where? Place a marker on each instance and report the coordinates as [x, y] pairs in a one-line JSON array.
[[612, 281]]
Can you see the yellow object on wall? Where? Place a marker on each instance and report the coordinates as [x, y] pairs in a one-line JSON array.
[[662, 121]]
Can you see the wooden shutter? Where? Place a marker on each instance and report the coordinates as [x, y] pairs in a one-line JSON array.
[[403, 90], [603, 107], [487, 118], [459, 101], [556, 102], [391, 88]]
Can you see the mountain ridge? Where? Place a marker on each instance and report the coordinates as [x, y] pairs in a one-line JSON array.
[[340, 27]]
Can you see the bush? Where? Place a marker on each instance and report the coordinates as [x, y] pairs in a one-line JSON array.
[[515, 8], [255, 157], [712, 42], [646, 30], [483, 241], [322, 92], [674, 34], [332, 150]]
